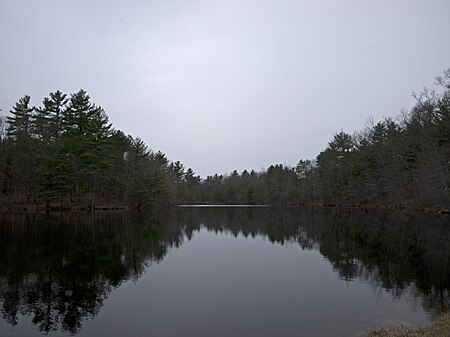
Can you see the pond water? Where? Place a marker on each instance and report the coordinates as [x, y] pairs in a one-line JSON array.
[[222, 272]]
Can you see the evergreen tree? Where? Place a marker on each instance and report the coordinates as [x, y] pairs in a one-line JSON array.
[[49, 117], [21, 123], [334, 168], [85, 140], [22, 166]]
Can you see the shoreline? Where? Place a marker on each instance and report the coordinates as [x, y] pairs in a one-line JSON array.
[[37, 208], [439, 328]]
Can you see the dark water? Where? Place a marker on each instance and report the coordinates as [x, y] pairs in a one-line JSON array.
[[222, 272]]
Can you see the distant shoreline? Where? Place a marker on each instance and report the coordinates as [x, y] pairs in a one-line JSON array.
[[222, 205], [33, 208], [344, 206]]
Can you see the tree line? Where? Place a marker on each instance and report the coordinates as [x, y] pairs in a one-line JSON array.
[[66, 154], [400, 162]]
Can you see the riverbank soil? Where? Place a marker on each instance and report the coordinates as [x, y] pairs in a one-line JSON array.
[[439, 328]]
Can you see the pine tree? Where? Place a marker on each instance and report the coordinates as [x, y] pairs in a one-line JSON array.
[[23, 164], [21, 123], [85, 141], [49, 117]]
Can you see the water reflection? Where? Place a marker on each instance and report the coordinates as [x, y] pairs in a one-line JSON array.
[[396, 251], [60, 270]]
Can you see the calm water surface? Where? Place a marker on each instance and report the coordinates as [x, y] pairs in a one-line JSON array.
[[222, 272]]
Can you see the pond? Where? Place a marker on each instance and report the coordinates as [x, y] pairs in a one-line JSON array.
[[222, 271]]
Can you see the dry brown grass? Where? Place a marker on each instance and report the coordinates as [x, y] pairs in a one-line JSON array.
[[439, 328]]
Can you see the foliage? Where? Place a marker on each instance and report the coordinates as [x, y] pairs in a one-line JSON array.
[[402, 162], [67, 154]]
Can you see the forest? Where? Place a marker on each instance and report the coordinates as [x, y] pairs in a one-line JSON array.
[[401, 162], [66, 155]]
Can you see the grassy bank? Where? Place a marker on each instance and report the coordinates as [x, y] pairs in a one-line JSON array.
[[439, 328]]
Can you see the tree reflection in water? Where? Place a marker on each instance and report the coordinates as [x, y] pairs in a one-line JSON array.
[[406, 254], [59, 270]]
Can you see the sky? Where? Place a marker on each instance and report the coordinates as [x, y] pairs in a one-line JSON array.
[[232, 84]]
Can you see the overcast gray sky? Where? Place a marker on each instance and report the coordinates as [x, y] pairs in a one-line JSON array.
[[233, 84]]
